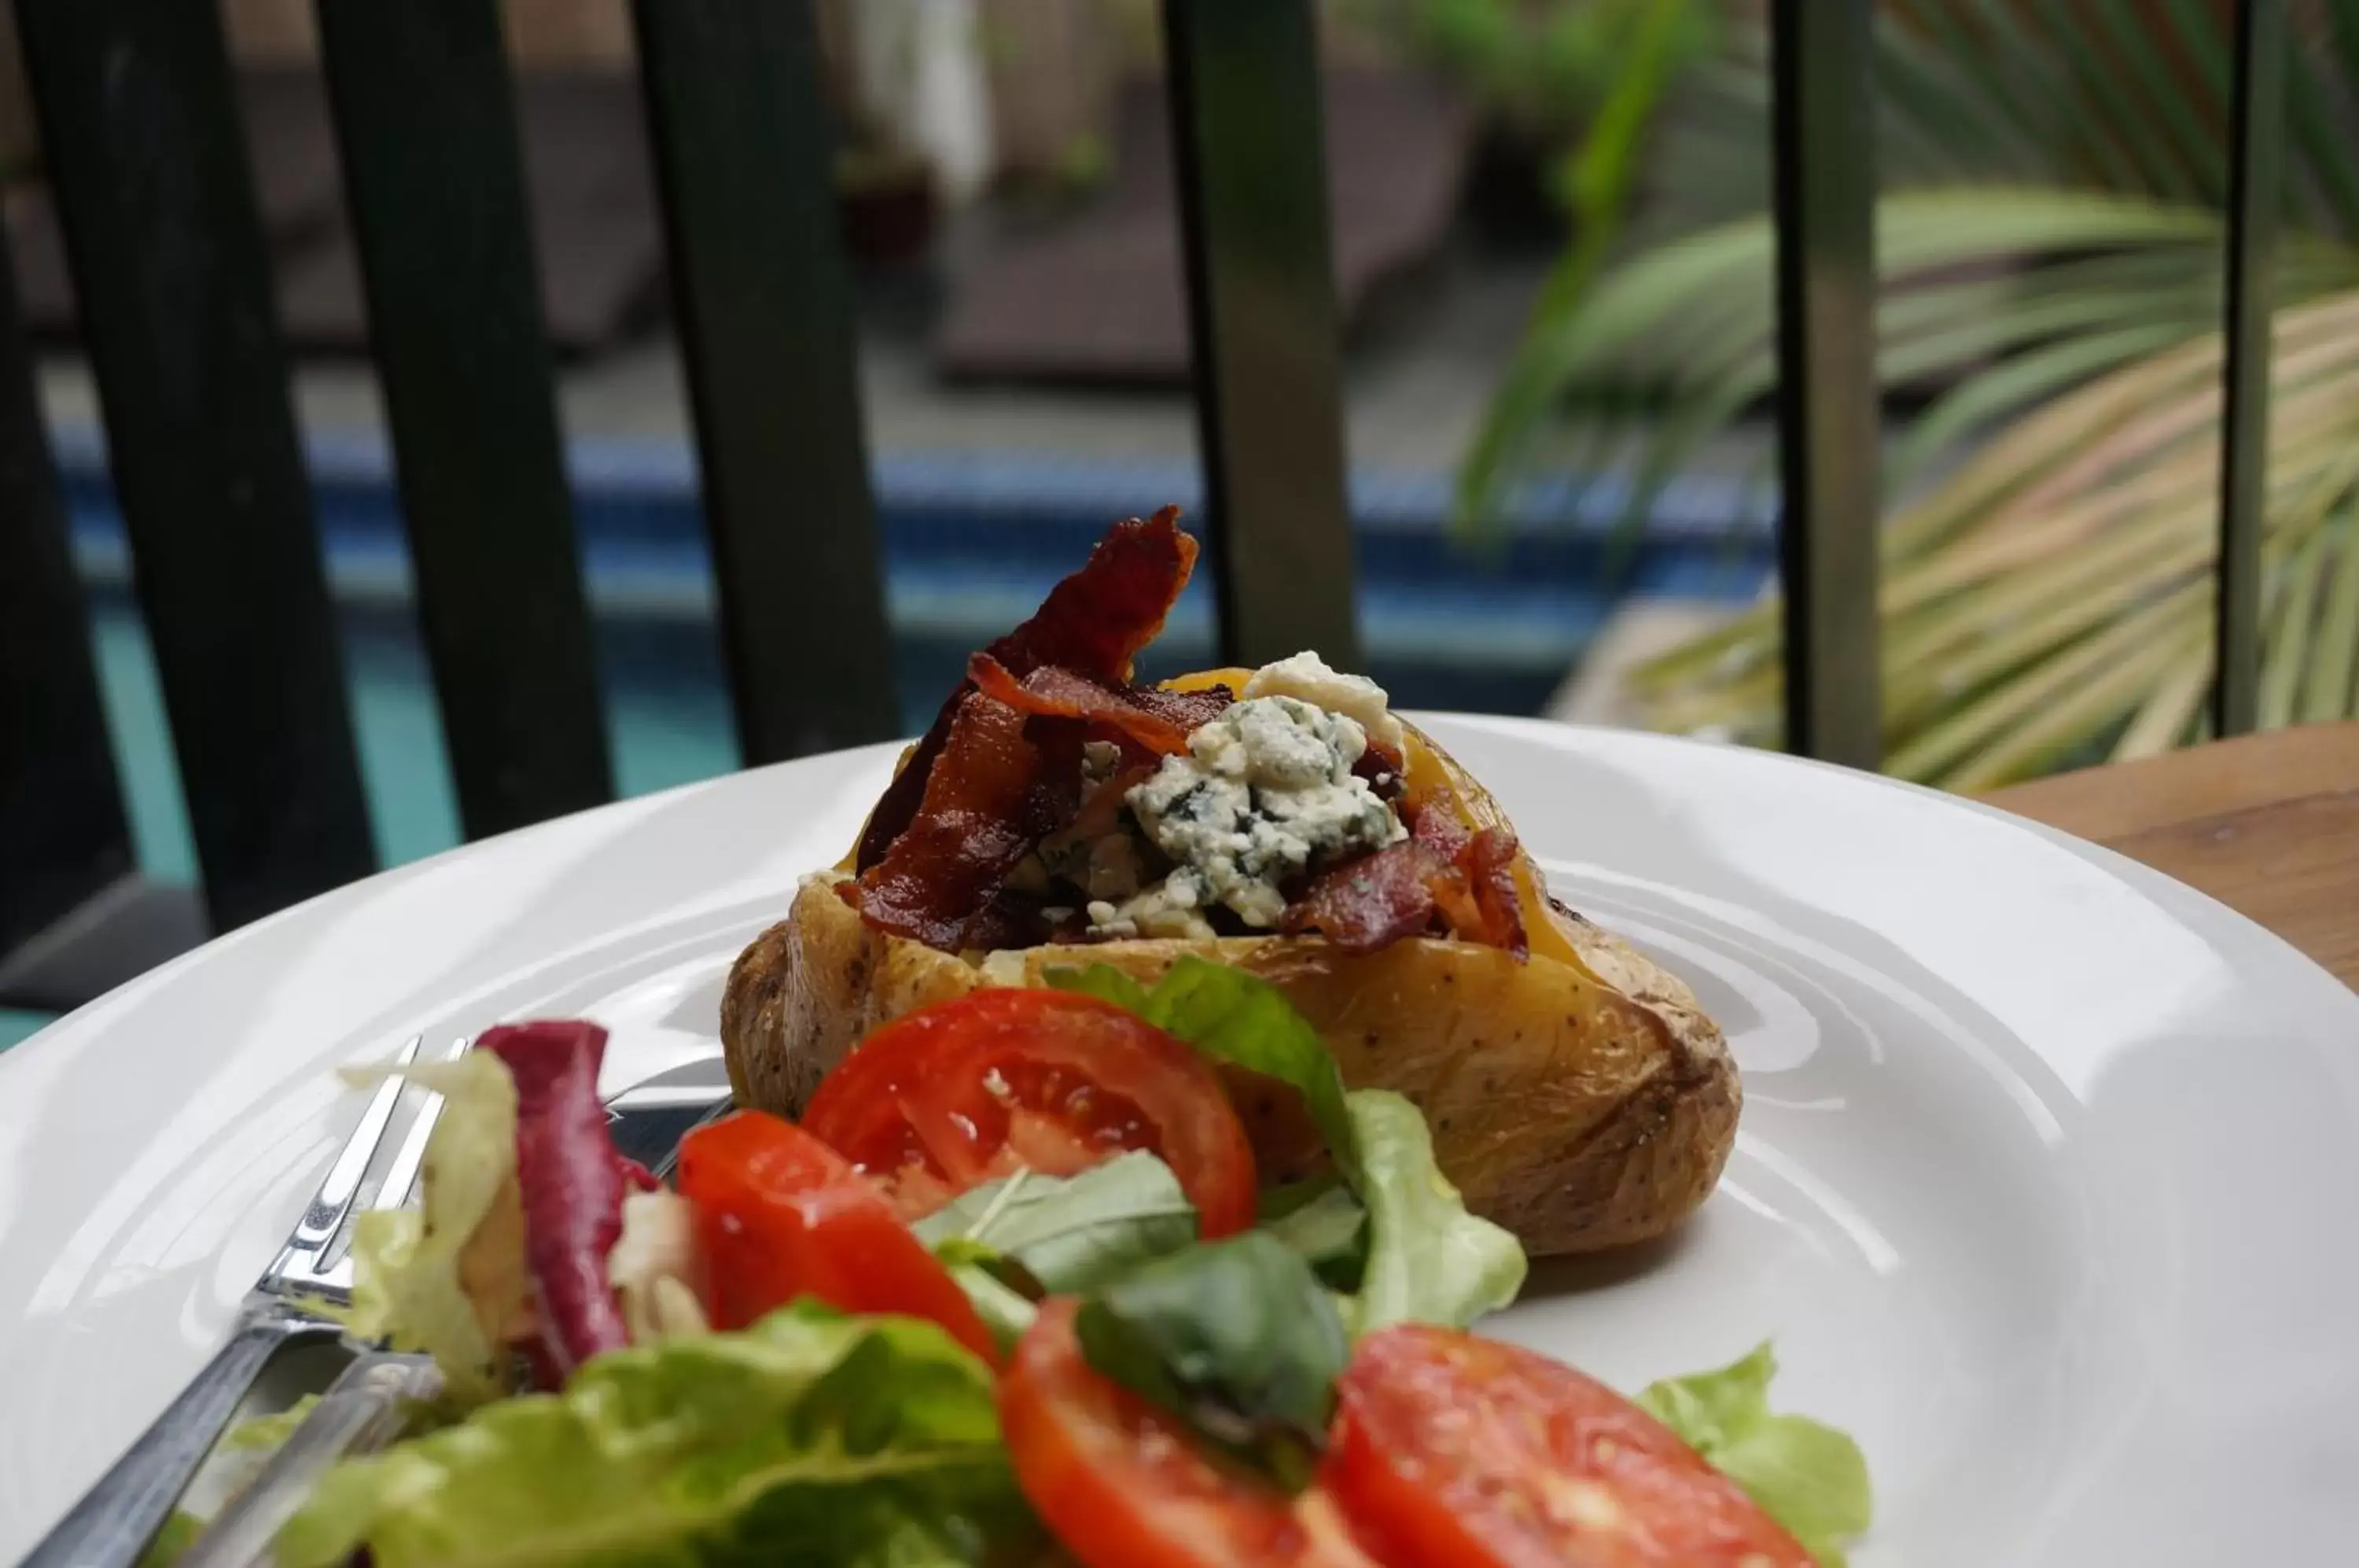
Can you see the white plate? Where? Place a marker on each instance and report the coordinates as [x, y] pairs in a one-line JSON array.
[[2045, 1188]]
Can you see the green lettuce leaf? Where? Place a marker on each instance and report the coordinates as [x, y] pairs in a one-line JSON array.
[[1073, 1234], [1005, 1311], [267, 1434], [810, 1438], [1104, 982], [1237, 1018], [1237, 1337], [1807, 1476], [448, 1278], [227, 1471], [1429, 1259], [1323, 1223], [180, 1531]]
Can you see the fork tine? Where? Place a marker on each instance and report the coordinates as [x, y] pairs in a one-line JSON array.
[[401, 1178], [334, 1200], [720, 1107]]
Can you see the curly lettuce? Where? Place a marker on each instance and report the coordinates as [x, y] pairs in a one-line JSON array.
[[447, 1278], [810, 1438], [1429, 1259], [1805, 1474]]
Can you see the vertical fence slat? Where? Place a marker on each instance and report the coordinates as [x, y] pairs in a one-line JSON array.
[[2255, 197], [144, 147], [1262, 323], [764, 302], [425, 118], [1822, 142], [63, 836]]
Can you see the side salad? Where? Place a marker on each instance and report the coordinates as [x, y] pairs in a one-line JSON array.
[[1011, 1294]]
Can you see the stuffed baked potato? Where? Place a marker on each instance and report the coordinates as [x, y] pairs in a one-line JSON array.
[[1576, 1092]]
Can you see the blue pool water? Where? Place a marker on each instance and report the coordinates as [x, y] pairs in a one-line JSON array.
[[972, 542]]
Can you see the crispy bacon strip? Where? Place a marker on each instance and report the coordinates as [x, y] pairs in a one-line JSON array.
[[1371, 902], [1478, 899], [1468, 880], [1492, 869], [1004, 780], [1093, 624], [1102, 808], [1435, 823], [1476, 892], [1157, 721], [1383, 771]]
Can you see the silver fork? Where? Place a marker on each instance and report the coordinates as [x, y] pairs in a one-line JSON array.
[[115, 1519], [364, 1408]]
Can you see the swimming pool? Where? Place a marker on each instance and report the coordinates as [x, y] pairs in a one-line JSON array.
[[972, 541]]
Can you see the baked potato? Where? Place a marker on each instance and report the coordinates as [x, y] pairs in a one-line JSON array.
[[1579, 1096]]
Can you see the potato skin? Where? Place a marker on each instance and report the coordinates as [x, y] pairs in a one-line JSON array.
[[1583, 1105], [1567, 1111]]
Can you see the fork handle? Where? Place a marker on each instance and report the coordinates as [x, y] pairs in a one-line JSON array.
[[363, 1409], [118, 1517]]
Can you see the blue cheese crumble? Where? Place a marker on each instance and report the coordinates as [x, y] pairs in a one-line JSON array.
[[1264, 790], [1355, 697]]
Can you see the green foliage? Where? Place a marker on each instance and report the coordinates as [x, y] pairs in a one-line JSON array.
[[1809, 1477], [2050, 256], [810, 1438], [1069, 1233], [1237, 1338], [1545, 67]]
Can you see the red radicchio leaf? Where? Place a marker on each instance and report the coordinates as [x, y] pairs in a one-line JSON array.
[[573, 1183], [1092, 623]]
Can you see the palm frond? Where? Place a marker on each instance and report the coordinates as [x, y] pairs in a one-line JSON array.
[[1694, 329], [2327, 688], [2049, 279], [2055, 593]]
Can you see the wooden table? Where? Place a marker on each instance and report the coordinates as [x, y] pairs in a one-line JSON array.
[[2268, 825]]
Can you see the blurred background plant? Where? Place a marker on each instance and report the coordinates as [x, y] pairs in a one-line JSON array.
[[1548, 77], [2050, 247]]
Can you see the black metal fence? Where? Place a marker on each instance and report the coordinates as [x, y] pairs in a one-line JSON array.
[[135, 99]]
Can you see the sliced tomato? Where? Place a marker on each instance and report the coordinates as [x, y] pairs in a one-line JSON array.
[[1048, 1080], [1124, 1486], [782, 1215], [1453, 1452]]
